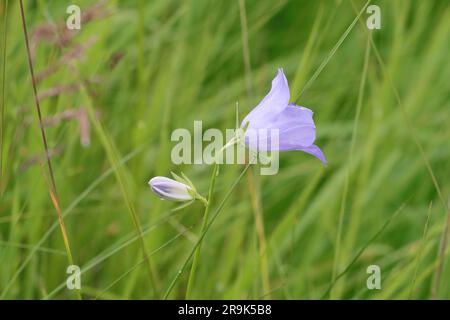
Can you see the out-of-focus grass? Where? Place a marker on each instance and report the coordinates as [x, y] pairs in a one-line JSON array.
[[154, 66]]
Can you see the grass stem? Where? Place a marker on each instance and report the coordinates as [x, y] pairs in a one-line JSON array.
[[3, 99], [337, 255], [252, 182], [52, 189], [202, 235], [204, 226]]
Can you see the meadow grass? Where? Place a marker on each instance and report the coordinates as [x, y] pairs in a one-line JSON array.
[[139, 69]]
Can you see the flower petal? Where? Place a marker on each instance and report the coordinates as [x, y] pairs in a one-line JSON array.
[[295, 127], [273, 103], [316, 152], [169, 189]]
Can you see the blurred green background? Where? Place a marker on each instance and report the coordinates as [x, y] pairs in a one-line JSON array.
[[112, 93]]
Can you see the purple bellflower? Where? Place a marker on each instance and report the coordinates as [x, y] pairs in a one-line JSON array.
[[295, 124]]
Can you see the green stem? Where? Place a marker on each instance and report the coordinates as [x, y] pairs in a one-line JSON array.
[[205, 224], [253, 187], [52, 184], [361, 251], [202, 235]]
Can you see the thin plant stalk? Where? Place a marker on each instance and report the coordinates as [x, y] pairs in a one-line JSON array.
[[202, 235], [112, 155], [332, 52], [2, 128], [361, 251], [414, 136], [204, 226], [52, 189], [252, 182], [337, 255], [419, 253], [253, 186]]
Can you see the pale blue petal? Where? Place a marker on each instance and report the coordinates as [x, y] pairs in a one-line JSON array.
[[273, 103], [295, 127], [169, 189], [316, 152]]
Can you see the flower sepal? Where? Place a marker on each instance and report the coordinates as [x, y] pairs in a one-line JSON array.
[[191, 190]]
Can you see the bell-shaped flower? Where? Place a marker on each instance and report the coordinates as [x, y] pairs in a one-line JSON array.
[[294, 124]]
